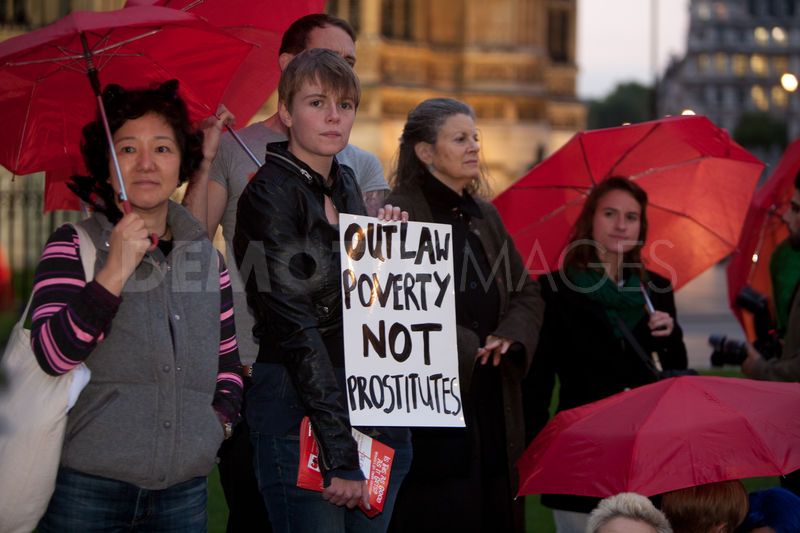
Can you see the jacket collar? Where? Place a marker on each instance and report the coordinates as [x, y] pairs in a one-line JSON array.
[[442, 198], [280, 154]]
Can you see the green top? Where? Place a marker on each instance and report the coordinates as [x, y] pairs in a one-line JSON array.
[[623, 301], [784, 271]]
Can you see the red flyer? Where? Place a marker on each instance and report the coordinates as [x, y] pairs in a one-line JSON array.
[[375, 460]]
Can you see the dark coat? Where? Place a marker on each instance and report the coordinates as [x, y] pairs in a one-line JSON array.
[[521, 310], [284, 246], [577, 344]]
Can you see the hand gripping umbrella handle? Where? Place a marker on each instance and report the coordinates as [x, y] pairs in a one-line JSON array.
[[94, 80]]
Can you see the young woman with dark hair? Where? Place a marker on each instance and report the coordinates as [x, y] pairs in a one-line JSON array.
[[598, 335]]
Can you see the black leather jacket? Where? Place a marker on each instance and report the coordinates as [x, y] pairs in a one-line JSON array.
[[288, 254]]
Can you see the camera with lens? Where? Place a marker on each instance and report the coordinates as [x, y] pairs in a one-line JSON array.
[[734, 352]]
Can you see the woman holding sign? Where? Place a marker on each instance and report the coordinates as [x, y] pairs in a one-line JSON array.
[[287, 239], [464, 479]]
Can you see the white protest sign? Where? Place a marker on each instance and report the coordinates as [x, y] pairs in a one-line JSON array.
[[398, 298]]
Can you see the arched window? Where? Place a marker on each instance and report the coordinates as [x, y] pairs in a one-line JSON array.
[[350, 10], [396, 19], [558, 28]]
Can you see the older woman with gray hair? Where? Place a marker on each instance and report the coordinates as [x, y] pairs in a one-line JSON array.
[[627, 512]]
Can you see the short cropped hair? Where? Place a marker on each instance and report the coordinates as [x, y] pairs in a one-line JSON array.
[[321, 66], [627, 505], [698, 509], [295, 38]]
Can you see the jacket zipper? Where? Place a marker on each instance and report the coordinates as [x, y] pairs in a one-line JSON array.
[[309, 178]]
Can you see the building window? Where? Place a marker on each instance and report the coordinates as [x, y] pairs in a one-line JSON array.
[[779, 35], [780, 64], [758, 64], [759, 96], [558, 35], [789, 6], [721, 63], [779, 96], [350, 10], [753, 7], [703, 63], [772, 8], [739, 64], [18, 14], [720, 10], [761, 35], [397, 19]]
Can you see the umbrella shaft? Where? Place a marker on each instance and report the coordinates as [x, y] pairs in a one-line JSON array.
[[244, 146], [123, 195]]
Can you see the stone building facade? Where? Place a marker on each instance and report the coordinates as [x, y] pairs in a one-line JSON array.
[[737, 52], [512, 60]]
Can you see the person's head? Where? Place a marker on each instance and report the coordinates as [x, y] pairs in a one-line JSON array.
[[318, 30], [792, 215], [710, 508], [627, 512], [154, 140], [318, 95], [774, 510], [613, 220], [440, 139]]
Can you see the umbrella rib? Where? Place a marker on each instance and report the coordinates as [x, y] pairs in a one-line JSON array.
[[693, 219], [585, 158], [79, 56], [624, 154], [578, 188], [554, 212], [25, 124], [672, 166]]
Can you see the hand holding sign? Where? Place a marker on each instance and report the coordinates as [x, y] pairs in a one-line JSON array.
[[392, 213]]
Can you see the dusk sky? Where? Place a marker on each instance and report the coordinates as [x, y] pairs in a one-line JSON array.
[[614, 41]]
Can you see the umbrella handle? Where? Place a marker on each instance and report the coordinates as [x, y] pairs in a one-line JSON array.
[[126, 208], [94, 80]]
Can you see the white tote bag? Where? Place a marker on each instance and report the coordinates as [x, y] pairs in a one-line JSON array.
[[33, 417]]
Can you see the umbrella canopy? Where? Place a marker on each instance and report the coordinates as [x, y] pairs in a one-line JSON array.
[[259, 22], [45, 94], [699, 183], [764, 231], [675, 433]]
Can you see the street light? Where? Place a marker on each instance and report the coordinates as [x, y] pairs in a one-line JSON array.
[[789, 82]]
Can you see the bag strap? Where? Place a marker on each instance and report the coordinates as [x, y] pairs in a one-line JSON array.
[[88, 255], [637, 348], [87, 250]]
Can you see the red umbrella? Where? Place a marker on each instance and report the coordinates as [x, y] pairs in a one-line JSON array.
[[764, 230], [45, 94], [260, 22], [675, 433], [698, 180]]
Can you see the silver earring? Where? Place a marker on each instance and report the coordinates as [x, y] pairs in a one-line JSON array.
[[431, 168]]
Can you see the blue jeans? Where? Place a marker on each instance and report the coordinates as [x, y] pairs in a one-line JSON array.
[[85, 503], [300, 510]]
